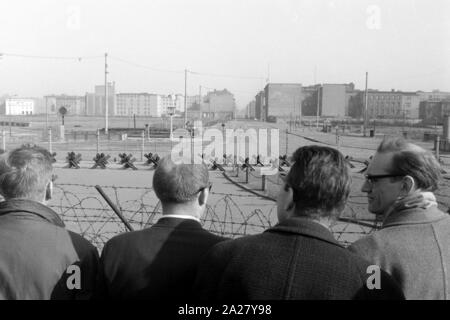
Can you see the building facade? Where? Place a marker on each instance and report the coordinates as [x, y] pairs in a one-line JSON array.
[[433, 112], [171, 102], [409, 105], [309, 102], [333, 102], [283, 100], [95, 102], [251, 110], [140, 104], [19, 106], [434, 95], [218, 104], [75, 105], [260, 111]]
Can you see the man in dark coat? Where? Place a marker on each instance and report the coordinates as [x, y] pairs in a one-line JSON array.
[[413, 243], [39, 258], [298, 258], [160, 262]]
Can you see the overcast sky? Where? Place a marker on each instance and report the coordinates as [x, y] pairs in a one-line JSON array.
[[403, 44]]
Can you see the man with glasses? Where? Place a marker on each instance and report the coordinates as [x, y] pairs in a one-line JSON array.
[[413, 243], [160, 262], [298, 258]]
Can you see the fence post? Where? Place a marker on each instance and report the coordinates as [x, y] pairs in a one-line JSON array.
[[437, 147], [286, 141], [3, 140], [263, 186], [50, 140], [98, 140], [246, 174], [143, 145], [338, 139]]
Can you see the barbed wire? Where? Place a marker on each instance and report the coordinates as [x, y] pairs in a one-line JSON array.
[[86, 213]]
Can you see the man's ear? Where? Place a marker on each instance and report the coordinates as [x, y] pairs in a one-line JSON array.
[[408, 185], [49, 191], [289, 205], [203, 197]]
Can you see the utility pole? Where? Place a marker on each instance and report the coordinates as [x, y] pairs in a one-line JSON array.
[[294, 115], [365, 105], [300, 114], [199, 101], [106, 93], [46, 113], [318, 99], [185, 97], [318, 94]]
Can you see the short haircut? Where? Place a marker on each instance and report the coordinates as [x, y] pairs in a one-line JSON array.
[[25, 172], [412, 160], [320, 179], [179, 183]]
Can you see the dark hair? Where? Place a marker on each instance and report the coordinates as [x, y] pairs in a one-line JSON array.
[[179, 183], [412, 160], [25, 172], [320, 179]]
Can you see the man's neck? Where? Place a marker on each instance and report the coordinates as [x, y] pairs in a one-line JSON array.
[[180, 210]]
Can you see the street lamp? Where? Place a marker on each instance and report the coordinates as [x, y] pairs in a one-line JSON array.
[[171, 112]]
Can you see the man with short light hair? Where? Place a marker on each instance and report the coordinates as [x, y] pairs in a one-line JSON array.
[[160, 262], [413, 243], [298, 258], [39, 258]]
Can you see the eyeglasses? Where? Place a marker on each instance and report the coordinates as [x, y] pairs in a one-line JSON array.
[[372, 178], [209, 186]]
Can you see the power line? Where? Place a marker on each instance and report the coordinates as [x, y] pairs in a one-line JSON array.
[[144, 66], [138, 65], [80, 58]]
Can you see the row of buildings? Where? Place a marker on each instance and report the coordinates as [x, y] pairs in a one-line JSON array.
[[292, 101], [217, 104]]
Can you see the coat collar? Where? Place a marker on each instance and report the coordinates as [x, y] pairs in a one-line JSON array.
[[178, 222], [414, 216], [305, 227], [25, 207]]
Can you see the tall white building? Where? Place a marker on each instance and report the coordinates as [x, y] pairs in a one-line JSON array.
[[19, 106], [95, 102]]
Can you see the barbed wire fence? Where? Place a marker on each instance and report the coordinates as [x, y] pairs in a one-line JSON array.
[[85, 212]]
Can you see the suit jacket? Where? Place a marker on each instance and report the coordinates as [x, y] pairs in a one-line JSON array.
[[296, 259], [155, 263], [414, 247], [36, 252]]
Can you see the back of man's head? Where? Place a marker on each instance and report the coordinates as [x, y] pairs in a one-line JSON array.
[[320, 180], [177, 184], [411, 160], [25, 173]]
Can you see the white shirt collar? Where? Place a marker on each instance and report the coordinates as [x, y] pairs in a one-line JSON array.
[[180, 216]]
